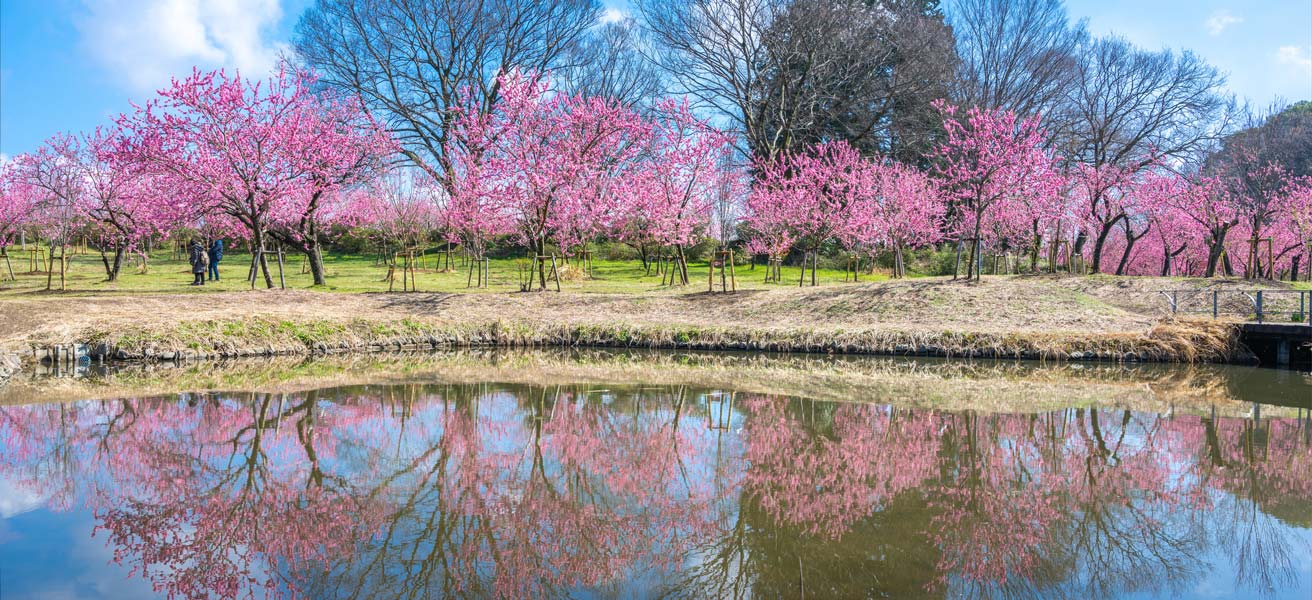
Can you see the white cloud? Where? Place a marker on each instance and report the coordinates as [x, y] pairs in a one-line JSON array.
[[1294, 55], [16, 500], [613, 15], [1220, 21], [145, 42]]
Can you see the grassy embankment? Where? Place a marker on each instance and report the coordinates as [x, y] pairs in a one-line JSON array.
[[156, 315]]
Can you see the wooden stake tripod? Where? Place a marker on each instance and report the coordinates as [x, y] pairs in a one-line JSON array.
[[33, 263], [675, 270], [444, 259], [1055, 254], [1251, 271], [1005, 267], [976, 270], [540, 267], [814, 258], [723, 261], [476, 265], [4, 253], [258, 260], [853, 269], [773, 270], [405, 260], [63, 266], [584, 258]]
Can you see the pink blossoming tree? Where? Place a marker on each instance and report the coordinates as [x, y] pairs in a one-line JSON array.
[[995, 172]]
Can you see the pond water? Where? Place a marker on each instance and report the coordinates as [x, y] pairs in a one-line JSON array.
[[622, 490]]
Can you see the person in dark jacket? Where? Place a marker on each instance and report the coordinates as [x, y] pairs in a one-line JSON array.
[[216, 255], [199, 259]]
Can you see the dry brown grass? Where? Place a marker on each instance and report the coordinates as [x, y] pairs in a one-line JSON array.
[[1050, 316]]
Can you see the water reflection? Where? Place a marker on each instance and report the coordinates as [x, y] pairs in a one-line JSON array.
[[517, 491]]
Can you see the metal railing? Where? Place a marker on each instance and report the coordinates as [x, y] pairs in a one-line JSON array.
[[1262, 306]]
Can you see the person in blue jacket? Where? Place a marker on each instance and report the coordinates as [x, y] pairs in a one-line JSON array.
[[216, 255]]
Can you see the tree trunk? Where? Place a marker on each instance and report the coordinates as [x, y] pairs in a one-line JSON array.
[[1100, 241], [1034, 252], [1125, 256], [683, 265], [117, 266], [257, 244], [541, 250], [112, 268], [1215, 250], [314, 254]]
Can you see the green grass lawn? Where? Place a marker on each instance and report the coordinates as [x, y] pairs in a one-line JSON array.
[[356, 273]]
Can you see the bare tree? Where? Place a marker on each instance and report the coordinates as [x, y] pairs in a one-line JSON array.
[[610, 63], [410, 60], [786, 73], [1129, 106], [1017, 55]]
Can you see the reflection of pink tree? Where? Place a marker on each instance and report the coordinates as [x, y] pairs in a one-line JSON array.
[[824, 485], [203, 500], [1241, 468], [503, 499], [516, 492], [998, 509]]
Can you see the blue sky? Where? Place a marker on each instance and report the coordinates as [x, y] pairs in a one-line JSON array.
[[69, 65]]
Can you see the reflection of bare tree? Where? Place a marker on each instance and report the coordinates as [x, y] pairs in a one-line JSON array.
[[1260, 465]]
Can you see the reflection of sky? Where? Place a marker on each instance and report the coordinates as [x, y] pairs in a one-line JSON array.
[[16, 500], [1218, 581], [53, 556]]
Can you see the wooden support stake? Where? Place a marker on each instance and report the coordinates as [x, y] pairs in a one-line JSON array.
[[282, 279]]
